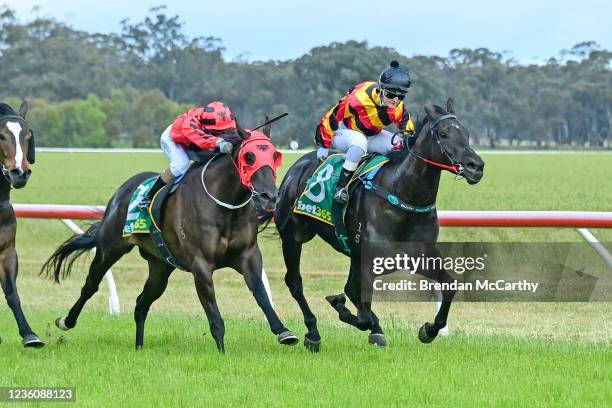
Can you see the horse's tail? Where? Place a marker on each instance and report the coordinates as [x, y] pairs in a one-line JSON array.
[[60, 263]]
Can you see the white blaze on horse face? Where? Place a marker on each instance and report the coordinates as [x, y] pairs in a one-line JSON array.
[[15, 128]]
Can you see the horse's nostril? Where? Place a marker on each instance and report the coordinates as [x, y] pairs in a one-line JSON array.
[[473, 166], [16, 172]]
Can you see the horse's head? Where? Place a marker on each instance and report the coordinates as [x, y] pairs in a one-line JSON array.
[[16, 145], [449, 143], [257, 162]]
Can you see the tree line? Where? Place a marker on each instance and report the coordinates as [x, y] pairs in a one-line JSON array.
[[104, 90]]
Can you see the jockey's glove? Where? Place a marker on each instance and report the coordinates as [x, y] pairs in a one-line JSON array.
[[225, 147], [322, 153]]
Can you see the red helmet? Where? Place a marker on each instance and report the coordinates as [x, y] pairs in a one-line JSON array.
[[217, 116]]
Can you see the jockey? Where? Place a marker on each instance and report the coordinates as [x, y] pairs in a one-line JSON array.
[[199, 128], [356, 124]]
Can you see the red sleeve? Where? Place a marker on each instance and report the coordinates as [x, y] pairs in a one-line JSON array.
[[192, 131]]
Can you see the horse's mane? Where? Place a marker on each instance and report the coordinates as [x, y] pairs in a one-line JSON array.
[[6, 110], [421, 120]]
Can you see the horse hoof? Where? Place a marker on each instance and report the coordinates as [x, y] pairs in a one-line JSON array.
[[377, 339], [287, 338], [423, 336], [335, 300], [139, 347], [311, 345], [60, 322], [32, 340]]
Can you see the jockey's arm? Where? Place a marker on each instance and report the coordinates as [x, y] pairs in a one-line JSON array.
[[198, 136], [406, 127]]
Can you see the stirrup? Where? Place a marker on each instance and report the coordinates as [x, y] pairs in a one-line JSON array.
[[341, 195]]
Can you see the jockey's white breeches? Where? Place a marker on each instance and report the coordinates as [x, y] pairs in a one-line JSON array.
[[179, 162], [344, 138]]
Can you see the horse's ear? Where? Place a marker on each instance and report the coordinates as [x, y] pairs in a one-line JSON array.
[[266, 129], [244, 135], [430, 110], [23, 109], [450, 106]]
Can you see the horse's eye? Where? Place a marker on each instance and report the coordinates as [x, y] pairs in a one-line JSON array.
[[2, 137], [442, 134]]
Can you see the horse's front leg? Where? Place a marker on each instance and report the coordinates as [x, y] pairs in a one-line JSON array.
[[429, 331], [202, 275], [250, 266], [8, 280], [363, 320]]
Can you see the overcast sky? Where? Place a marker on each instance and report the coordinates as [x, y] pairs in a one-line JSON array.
[[282, 29]]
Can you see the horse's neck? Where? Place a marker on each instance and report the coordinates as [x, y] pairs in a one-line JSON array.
[[5, 189], [414, 180], [223, 181]]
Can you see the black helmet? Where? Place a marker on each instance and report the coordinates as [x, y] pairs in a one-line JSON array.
[[394, 78]]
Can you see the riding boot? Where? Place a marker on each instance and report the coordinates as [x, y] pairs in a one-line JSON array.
[[341, 194], [146, 200]]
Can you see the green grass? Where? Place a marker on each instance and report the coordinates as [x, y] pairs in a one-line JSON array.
[[499, 354], [180, 367]]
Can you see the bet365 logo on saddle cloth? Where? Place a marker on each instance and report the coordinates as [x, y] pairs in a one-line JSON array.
[[316, 200], [137, 221]]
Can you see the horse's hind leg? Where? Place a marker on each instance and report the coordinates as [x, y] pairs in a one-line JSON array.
[[106, 256], [292, 252], [202, 276], [8, 280], [156, 283], [250, 266]]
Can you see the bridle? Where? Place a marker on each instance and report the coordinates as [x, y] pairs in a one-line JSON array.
[[454, 166]]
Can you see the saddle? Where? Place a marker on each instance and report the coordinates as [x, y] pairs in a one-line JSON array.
[[316, 201]]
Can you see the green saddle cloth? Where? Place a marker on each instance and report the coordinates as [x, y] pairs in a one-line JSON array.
[[138, 221], [317, 199]]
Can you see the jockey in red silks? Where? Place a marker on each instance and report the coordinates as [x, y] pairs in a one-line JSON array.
[[199, 128]]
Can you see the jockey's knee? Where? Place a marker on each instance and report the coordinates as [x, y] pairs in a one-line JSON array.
[[360, 141], [357, 148], [179, 167], [353, 156]]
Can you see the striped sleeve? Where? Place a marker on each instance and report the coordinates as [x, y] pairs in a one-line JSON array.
[[405, 123]]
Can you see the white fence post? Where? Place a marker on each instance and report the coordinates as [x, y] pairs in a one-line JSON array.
[[601, 250]]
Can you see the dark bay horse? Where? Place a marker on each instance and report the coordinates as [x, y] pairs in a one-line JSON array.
[[209, 223], [413, 176], [16, 155]]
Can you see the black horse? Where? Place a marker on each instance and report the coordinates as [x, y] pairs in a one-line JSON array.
[[413, 176], [16, 155], [209, 223]]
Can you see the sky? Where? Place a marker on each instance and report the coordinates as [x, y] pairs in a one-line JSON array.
[[529, 30]]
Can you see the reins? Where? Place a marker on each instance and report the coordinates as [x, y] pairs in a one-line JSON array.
[[216, 200]]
